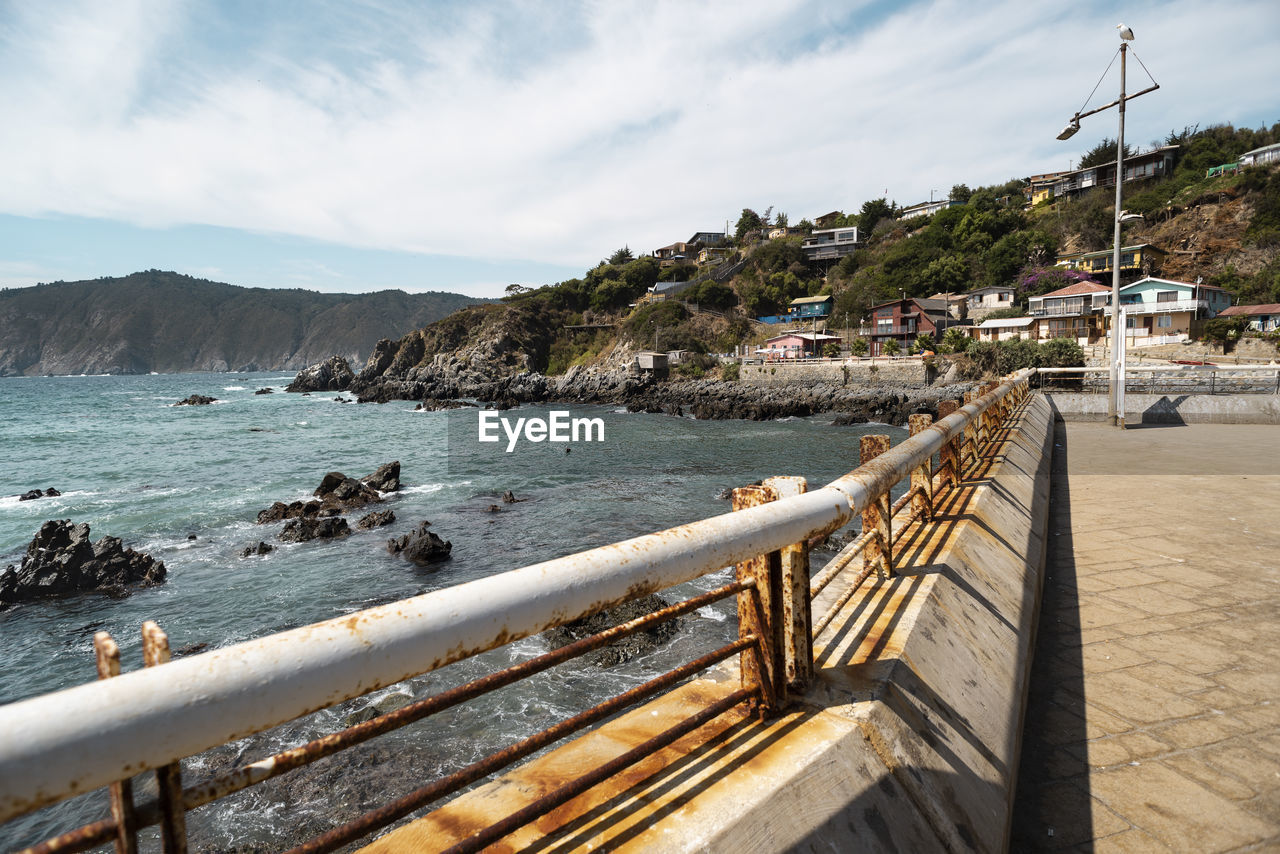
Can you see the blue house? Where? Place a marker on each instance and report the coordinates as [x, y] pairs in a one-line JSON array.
[[1163, 311], [805, 308]]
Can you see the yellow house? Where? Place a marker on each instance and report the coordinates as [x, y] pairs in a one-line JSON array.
[[1140, 258]]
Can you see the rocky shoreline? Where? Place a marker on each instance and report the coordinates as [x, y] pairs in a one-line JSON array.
[[441, 383]]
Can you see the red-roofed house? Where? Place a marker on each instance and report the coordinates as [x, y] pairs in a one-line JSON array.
[[1264, 318], [1075, 311]]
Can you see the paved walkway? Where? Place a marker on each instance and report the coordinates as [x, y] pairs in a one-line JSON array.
[[1154, 721]]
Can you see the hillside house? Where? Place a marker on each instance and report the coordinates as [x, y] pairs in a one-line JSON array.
[[1261, 318], [1259, 156], [805, 308], [926, 208], [1075, 312], [1005, 328], [903, 320], [983, 301], [708, 254], [830, 244], [1139, 259], [797, 345], [1162, 311], [669, 255], [706, 238], [957, 304], [1155, 163], [827, 220]]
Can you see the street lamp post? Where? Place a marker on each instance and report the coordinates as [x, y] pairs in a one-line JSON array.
[[1115, 399]]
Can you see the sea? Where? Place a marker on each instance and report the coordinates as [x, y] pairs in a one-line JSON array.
[[185, 485]]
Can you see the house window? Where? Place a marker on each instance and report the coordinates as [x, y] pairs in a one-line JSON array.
[[1166, 296], [884, 312], [1164, 321], [1130, 322]]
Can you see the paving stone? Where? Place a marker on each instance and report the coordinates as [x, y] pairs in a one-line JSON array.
[[1182, 814], [1105, 656], [1204, 773], [1136, 699], [1198, 732], [1151, 599], [1132, 841], [1173, 679]]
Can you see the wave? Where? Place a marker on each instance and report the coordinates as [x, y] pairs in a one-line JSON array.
[[235, 388]]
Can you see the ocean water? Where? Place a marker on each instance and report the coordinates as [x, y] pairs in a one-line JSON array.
[[134, 466]]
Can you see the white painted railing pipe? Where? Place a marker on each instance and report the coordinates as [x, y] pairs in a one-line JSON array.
[[79, 739]]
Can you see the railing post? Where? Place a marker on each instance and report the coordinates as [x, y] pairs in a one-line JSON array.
[[173, 818], [878, 553], [921, 476], [969, 447], [107, 654], [949, 455], [797, 606], [761, 665]]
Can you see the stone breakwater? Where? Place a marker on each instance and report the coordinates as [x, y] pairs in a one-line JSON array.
[[886, 401]]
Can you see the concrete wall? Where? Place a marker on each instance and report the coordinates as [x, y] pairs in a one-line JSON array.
[[1171, 409], [908, 741], [857, 372]]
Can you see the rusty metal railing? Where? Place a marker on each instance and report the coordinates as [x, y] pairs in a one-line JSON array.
[[101, 733]]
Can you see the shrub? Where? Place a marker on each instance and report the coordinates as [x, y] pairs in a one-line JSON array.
[[891, 347], [858, 346], [831, 350], [729, 372]]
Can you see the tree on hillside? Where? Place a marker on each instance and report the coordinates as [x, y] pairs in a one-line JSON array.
[[1103, 153], [622, 256], [749, 221], [780, 220], [948, 274], [873, 211], [960, 193]]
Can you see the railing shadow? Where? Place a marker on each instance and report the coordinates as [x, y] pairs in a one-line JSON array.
[[1051, 809]]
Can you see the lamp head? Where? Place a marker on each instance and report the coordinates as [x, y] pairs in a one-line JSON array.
[[1071, 129]]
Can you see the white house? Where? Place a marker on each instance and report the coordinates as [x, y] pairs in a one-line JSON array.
[[1004, 328], [1163, 311]]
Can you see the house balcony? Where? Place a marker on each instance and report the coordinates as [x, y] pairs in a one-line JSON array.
[[1063, 311], [1136, 308], [886, 331]]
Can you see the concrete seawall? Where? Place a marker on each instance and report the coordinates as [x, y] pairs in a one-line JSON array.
[[1171, 409], [908, 740], [911, 373]]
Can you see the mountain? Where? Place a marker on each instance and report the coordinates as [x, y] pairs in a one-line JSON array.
[[167, 323]]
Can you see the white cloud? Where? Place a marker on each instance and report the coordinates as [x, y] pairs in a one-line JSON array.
[[558, 133]]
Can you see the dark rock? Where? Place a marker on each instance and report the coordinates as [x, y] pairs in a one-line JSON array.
[[196, 400], [31, 495], [436, 405], [265, 391], [509, 497], [333, 374], [51, 492], [493, 508], [376, 520], [260, 549], [503, 403], [846, 418], [347, 492], [192, 537], [314, 528], [421, 546], [61, 560], [624, 649], [385, 479], [191, 649], [725, 494]]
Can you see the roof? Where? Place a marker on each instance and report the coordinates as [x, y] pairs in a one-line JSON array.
[[1110, 251], [1077, 289], [807, 336], [808, 300], [1270, 147], [937, 305], [951, 297], [1006, 322], [990, 288], [1172, 282], [1250, 310]]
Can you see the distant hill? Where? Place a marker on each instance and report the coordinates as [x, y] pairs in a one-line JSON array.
[[168, 323]]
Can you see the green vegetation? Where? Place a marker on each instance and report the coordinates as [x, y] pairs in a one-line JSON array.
[[987, 358]]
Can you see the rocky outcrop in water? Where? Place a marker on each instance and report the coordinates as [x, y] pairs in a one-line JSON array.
[[265, 391], [623, 649], [421, 546], [61, 560], [260, 549], [314, 528], [385, 479], [33, 494], [333, 374], [197, 400], [376, 520]]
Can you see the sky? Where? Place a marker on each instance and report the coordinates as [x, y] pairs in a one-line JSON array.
[[369, 144]]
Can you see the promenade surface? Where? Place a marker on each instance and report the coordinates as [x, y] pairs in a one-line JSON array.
[[1154, 717]]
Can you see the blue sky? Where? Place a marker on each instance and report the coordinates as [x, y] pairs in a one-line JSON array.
[[354, 146]]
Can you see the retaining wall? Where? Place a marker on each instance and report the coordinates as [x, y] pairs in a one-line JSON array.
[[911, 373], [1171, 409], [908, 740]]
